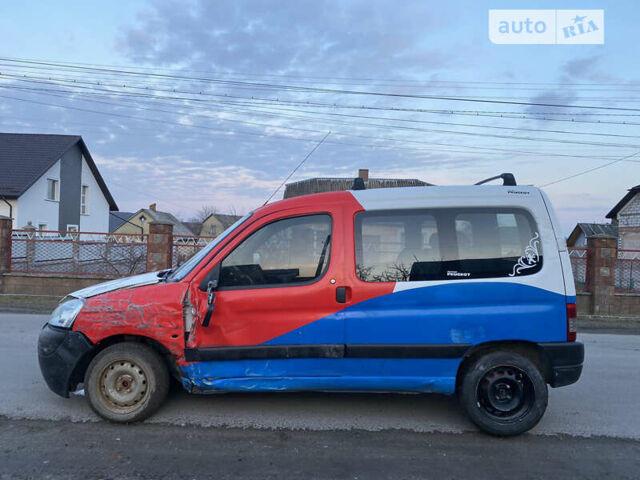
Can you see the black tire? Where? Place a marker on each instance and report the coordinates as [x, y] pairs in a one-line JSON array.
[[503, 393], [126, 382]]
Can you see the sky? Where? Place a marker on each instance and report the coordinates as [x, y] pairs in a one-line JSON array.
[[195, 103]]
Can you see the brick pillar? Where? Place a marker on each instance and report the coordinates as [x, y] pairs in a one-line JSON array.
[[30, 246], [159, 246], [5, 243], [601, 265]]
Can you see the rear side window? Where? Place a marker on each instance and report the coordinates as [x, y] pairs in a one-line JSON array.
[[446, 244], [290, 251]]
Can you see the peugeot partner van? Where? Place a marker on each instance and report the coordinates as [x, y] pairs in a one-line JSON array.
[[461, 290]]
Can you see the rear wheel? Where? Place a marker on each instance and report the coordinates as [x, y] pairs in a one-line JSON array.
[[126, 382], [503, 393]]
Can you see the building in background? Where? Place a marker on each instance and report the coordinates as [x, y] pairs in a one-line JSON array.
[[320, 185], [216, 223], [584, 231], [116, 219], [625, 224], [52, 183], [626, 216], [139, 222]]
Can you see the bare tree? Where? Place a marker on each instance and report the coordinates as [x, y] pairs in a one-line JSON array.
[[203, 213]]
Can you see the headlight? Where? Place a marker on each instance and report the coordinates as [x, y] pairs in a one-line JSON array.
[[64, 315]]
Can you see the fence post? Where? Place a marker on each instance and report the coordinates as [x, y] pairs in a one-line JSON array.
[[30, 245], [159, 246], [5, 244], [601, 268]]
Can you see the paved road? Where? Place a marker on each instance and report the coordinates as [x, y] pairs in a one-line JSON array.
[[597, 422]]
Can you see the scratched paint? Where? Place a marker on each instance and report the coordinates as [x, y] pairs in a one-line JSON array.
[[153, 311]]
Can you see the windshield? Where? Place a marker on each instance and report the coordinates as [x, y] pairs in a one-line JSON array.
[[182, 271]]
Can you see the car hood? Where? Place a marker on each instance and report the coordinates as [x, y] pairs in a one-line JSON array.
[[119, 284]]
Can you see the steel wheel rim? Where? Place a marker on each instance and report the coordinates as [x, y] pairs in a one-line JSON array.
[[505, 393], [123, 386]]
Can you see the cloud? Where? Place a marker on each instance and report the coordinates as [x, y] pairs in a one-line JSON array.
[[363, 37]]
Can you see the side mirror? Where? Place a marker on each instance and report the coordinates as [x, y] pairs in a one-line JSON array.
[[209, 284], [211, 280]]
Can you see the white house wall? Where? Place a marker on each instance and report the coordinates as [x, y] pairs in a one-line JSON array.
[[629, 216], [33, 205], [97, 219]]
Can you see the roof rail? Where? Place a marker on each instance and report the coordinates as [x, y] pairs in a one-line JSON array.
[[507, 179]]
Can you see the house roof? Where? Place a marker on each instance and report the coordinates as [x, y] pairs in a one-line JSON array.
[[320, 185], [116, 219], [179, 228], [25, 157], [593, 230], [195, 227], [626, 199], [225, 219]]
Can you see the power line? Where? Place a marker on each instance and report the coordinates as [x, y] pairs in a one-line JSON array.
[[108, 92], [535, 115], [380, 138], [297, 88], [589, 170], [375, 125], [316, 77]]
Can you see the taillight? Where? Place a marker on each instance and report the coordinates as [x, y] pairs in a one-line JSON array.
[[572, 322]]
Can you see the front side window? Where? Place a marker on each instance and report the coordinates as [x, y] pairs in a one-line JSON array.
[[52, 189], [285, 252], [446, 244]]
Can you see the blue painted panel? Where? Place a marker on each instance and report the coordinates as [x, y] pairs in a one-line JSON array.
[[441, 314], [443, 385], [407, 375], [459, 313], [450, 313]]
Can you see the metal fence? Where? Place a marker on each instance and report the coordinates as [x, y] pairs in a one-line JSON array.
[[78, 253], [186, 246], [579, 257], [628, 271]]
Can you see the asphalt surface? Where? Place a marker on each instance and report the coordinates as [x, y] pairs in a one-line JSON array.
[[591, 429]]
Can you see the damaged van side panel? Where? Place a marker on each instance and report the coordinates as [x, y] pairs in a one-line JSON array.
[[153, 311]]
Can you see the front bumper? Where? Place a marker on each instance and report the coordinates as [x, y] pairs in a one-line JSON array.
[[59, 353], [565, 362]]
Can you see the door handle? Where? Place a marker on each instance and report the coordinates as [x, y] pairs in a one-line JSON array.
[[343, 294]]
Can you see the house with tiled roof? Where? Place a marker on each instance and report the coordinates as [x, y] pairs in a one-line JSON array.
[[625, 224], [52, 183], [216, 223], [139, 222], [626, 216]]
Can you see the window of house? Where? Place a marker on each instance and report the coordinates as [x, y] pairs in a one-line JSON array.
[[446, 244], [84, 200], [290, 251], [52, 189]]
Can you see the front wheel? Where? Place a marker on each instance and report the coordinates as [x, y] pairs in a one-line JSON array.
[[126, 382], [503, 393]]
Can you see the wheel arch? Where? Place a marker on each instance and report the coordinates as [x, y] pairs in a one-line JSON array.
[[530, 350], [79, 371]]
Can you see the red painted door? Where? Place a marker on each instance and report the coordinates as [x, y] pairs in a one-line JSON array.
[[277, 287]]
